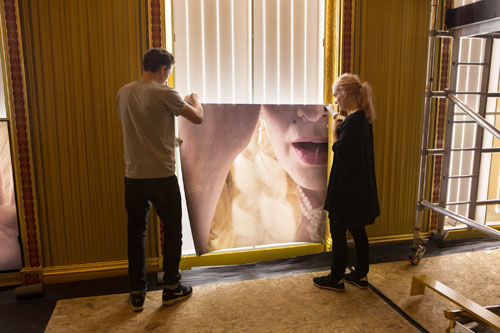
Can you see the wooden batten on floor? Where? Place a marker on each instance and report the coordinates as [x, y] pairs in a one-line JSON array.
[[420, 282], [472, 274]]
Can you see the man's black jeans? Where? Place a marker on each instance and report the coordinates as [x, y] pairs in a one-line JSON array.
[[338, 228], [165, 195]]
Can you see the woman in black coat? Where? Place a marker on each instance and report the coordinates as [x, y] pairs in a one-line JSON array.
[[352, 200]]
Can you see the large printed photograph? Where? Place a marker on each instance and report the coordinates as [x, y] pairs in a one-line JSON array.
[[10, 251], [255, 175]]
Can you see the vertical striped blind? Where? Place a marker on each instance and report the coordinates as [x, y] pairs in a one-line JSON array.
[[242, 51]]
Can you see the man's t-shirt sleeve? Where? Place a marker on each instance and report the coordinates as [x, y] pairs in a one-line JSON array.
[[174, 101]]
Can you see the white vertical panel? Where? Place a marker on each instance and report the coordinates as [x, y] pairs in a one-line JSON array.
[[195, 49], [298, 51], [180, 48], [250, 53], [278, 46], [242, 42], [304, 47], [217, 24], [168, 26], [212, 76], [292, 31], [288, 51], [233, 74], [271, 51], [321, 51], [203, 56]]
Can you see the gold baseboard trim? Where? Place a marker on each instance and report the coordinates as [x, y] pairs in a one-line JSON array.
[[10, 279], [90, 271], [394, 238]]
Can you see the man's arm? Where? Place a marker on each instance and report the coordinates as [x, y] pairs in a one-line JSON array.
[[193, 111]]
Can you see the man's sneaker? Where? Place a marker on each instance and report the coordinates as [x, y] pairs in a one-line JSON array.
[[137, 300], [327, 282], [352, 278], [176, 295]]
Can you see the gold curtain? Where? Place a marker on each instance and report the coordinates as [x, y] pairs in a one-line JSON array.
[[331, 69], [78, 54], [390, 45]]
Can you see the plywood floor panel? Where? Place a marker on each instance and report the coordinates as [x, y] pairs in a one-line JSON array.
[[282, 304], [292, 303]]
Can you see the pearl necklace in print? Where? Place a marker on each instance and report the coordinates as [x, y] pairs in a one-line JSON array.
[[315, 216]]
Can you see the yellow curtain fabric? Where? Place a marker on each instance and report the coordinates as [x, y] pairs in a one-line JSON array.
[[331, 70], [390, 52], [78, 54]]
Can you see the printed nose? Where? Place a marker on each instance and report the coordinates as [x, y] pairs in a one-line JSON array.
[[311, 113]]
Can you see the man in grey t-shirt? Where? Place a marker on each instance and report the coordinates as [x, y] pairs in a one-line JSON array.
[[146, 109]]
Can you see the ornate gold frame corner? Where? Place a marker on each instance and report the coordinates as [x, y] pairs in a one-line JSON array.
[[22, 155]]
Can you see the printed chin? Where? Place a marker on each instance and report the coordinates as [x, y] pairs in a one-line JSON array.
[[311, 153]]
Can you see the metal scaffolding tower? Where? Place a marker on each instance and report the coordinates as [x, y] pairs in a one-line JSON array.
[[484, 23]]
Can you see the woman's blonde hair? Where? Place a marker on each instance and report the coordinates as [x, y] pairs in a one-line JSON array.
[[362, 91]]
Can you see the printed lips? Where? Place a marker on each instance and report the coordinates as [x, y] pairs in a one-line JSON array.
[[312, 152]]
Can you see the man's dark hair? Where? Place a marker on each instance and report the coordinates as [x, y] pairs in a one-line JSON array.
[[155, 58]]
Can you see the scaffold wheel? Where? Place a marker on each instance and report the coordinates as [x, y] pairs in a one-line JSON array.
[[416, 254]]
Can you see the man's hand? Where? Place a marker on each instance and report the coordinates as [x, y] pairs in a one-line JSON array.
[[193, 111], [192, 99], [195, 99]]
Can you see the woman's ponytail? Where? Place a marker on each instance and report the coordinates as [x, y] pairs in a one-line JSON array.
[[367, 101]]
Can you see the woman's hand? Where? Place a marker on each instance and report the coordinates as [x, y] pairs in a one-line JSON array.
[[335, 125], [338, 116]]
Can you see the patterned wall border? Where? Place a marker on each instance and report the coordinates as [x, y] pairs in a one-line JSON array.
[[440, 121], [347, 35], [21, 142], [156, 27], [155, 11]]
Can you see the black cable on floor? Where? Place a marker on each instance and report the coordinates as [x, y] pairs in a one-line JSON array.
[[397, 308]]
